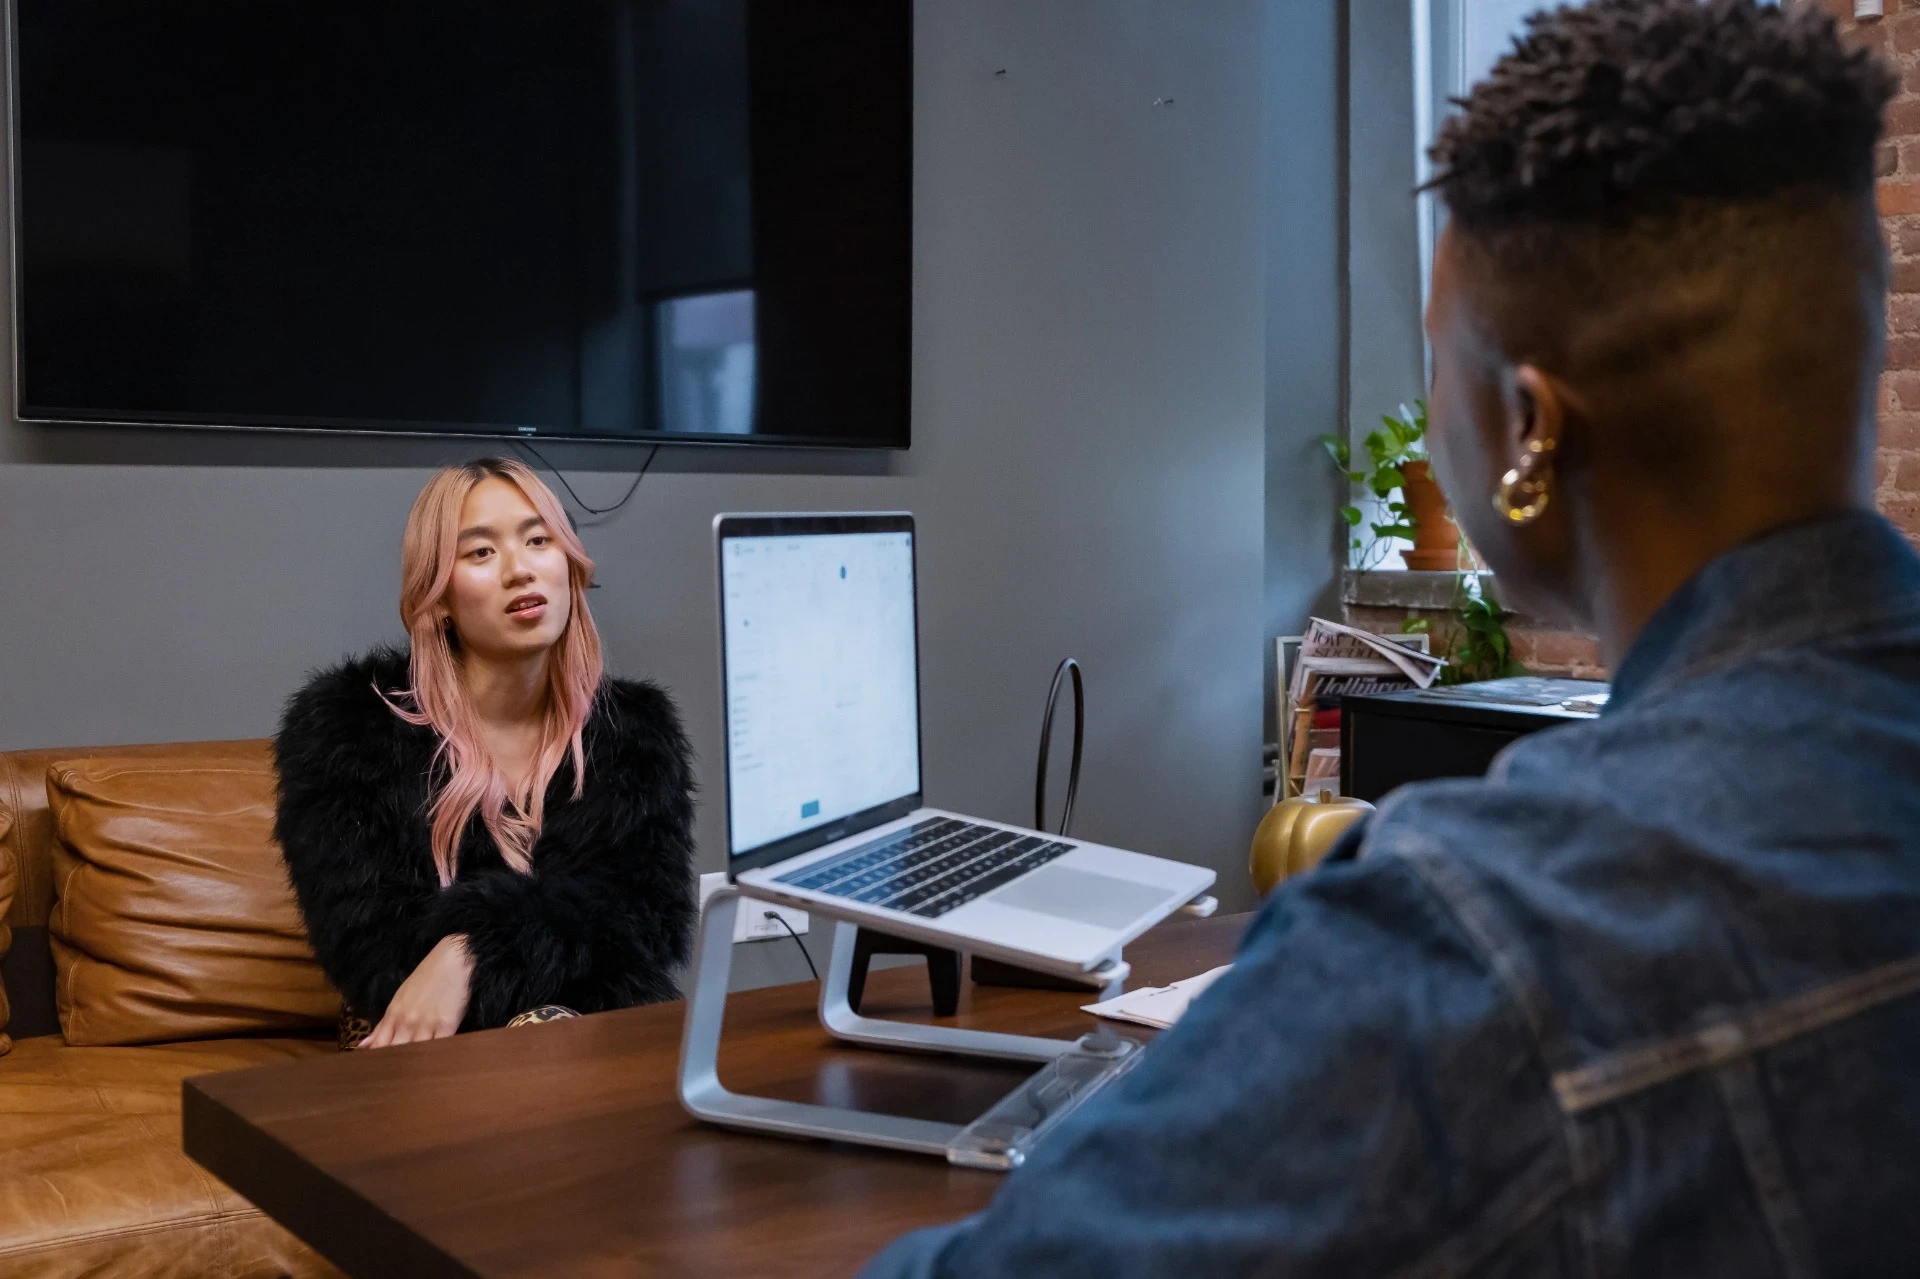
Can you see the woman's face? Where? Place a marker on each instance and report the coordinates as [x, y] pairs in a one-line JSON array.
[[509, 597]]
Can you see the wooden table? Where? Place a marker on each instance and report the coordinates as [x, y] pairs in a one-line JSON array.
[[561, 1149]]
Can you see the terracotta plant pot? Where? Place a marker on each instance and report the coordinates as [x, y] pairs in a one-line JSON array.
[[1436, 539]]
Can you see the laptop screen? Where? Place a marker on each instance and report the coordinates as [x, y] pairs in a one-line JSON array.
[[821, 679]]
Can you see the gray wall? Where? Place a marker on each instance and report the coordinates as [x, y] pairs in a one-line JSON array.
[[1091, 468], [1306, 319]]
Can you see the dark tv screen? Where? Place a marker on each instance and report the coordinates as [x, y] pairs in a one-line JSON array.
[[608, 219]]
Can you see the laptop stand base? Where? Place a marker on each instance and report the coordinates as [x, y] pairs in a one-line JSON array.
[[704, 1097]]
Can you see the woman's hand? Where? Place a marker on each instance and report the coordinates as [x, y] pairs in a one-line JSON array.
[[432, 1000]]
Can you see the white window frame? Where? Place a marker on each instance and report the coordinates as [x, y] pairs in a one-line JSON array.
[[1428, 106], [1440, 74]]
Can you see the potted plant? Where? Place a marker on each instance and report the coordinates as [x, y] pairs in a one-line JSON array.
[[1477, 646], [1398, 474]]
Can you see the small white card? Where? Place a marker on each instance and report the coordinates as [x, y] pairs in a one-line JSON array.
[[1156, 1006]]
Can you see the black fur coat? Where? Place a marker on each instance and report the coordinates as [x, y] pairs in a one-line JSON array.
[[603, 920]]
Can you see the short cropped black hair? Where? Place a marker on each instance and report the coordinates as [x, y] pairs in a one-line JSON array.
[[1620, 109]]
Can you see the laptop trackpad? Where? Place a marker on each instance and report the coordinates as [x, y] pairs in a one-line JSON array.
[[1080, 895]]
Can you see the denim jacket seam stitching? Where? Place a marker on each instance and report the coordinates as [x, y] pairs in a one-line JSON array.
[[1478, 921], [1584, 1167], [1757, 1135], [1628, 1072], [1536, 1203]]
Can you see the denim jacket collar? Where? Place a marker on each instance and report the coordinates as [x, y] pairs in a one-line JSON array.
[[1817, 580]]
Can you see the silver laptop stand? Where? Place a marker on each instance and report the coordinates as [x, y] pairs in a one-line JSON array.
[[702, 1093]]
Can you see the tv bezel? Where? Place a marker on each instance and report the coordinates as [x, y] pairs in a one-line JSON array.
[[324, 427]]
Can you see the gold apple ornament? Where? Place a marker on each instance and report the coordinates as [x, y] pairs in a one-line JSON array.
[[1296, 833]]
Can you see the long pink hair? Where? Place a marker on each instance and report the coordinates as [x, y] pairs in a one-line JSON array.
[[439, 696]]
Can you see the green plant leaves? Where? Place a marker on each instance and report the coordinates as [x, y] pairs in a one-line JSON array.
[[1389, 449], [1483, 649]]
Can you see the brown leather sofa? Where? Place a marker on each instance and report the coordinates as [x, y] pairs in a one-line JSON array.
[[148, 936]]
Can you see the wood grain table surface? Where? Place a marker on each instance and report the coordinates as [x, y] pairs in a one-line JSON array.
[[562, 1150]]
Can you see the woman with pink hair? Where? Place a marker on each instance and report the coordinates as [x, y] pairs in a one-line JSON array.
[[485, 826]]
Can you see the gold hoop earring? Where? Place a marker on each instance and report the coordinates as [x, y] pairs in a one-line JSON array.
[[1524, 490]]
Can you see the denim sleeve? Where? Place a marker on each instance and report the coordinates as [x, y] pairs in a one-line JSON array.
[[1355, 1096]]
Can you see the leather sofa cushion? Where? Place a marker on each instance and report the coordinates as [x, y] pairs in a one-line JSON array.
[[9, 879], [93, 1180], [172, 915]]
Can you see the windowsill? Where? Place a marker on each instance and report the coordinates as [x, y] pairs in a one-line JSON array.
[[1382, 598], [1399, 588]]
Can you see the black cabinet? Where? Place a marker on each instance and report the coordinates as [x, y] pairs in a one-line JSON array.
[[1389, 739]]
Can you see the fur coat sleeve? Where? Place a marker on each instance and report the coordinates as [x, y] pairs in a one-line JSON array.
[[604, 919]]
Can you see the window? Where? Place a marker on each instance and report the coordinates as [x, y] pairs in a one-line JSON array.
[[1455, 44]]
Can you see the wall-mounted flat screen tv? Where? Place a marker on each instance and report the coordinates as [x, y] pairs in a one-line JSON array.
[[605, 219]]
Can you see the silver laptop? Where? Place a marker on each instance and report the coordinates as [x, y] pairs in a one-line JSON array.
[[821, 682]]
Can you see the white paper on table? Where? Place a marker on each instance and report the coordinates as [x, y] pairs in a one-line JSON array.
[[1156, 1006]]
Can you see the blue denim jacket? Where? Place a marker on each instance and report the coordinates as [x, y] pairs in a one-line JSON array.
[[1643, 1001]]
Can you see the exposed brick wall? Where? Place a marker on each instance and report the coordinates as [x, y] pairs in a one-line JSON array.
[[1896, 37], [1541, 650]]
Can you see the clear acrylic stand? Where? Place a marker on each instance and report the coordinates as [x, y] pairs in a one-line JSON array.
[[1085, 1065]]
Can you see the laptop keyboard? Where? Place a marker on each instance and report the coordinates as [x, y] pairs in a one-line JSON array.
[[928, 868]]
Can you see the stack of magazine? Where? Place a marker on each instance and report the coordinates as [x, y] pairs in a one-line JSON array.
[[1316, 671]]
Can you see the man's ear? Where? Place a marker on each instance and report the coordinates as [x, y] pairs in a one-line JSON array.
[[1536, 410]]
